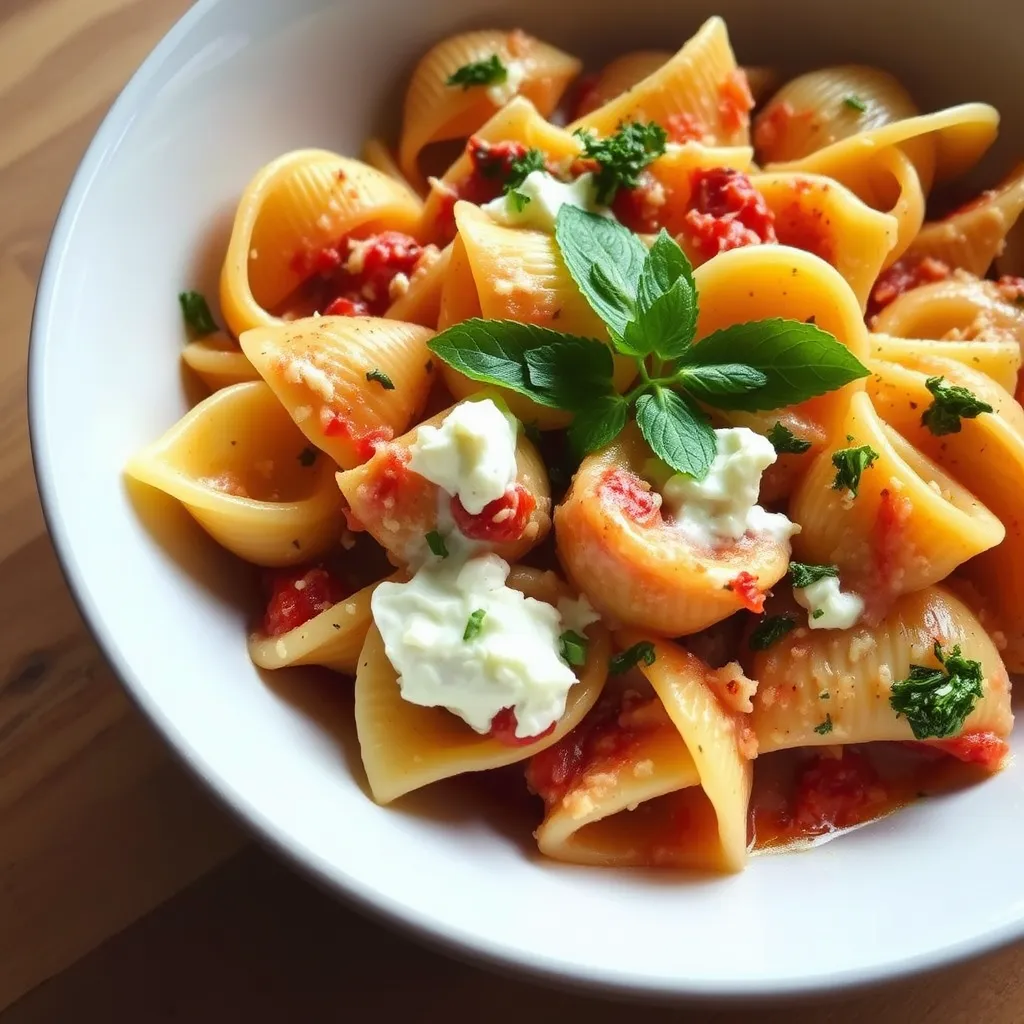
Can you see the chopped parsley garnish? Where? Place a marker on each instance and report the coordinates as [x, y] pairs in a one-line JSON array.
[[573, 647], [198, 318], [801, 574], [770, 631], [474, 624], [855, 103], [850, 463], [381, 378], [825, 728], [785, 442], [522, 167], [518, 199], [621, 157], [307, 456], [639, 653], [952, 403], [817, 613], [436, 544], [937, 701], [824, 695], [480, 72]]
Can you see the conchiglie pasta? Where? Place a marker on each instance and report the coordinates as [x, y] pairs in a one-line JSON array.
[[218, 362], [701, 83], [620, 75], [909, 526], [998, 358], [973, 236], [398, 507], [239, 465], [405, 746], [673, 788], [436, 112], [300, 203], [333, 638], [378, 155], [848, 675], [639, 568], [319, 368]]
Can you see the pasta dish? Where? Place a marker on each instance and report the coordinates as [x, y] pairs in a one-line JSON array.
[[651, 436]]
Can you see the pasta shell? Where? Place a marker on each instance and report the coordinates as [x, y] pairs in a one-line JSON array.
[[377, 154], [399, 507], [701, 80], [332, 639], [302, 201], [405, 746], [318, 368], [421, 303], [909, 526], [459, 301], [620, 75], [435, 111], [639, 569], [233, 462], [218, 362], [998, 358], [848, 675]]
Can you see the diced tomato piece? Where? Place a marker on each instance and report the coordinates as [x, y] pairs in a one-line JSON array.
[[685, 128], [347, 307], [384, 256], [894, 510], [640, 208], [308, 261], [984, 748], [633, 496], [735, 100], [365, 442], [298, 595], [726, 212], [772, 124], [904, 275], [390, 471], [837, 792], [746, 589], [503, 729], [501, 521], [493, 160]]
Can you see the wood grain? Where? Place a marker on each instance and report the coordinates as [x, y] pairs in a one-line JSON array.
[[98, 825]]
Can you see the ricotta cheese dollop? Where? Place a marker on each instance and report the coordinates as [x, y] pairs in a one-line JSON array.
[[545, 196], [508, 658], [471, 455], [723, 506], [828, 607]]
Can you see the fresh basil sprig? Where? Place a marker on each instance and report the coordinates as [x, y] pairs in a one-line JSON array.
[[648, 302]]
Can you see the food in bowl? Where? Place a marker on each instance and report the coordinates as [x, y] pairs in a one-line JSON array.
[[635, 430]]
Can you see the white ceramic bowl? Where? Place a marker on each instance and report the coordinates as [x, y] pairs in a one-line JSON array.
[[235, 83]]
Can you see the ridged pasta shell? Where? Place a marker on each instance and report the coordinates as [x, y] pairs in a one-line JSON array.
[[400, 520], [694, 81], [302, 201], [998, 358], [378, 155], [318, 369], [649, 574], [436, 112], [848, 675], [332, 639], [405, 746], [234, 462], [218, 362], [910, 525], [619, 75]]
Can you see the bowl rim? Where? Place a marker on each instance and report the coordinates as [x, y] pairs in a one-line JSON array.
[[490, 953]]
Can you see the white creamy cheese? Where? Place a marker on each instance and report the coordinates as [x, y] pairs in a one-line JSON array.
[[472, 455], [723, 506], [501, 92], [827, 606], [546, 195], [512, 661], [577, 613]]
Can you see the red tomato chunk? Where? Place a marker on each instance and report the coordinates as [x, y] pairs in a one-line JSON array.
[[837, 792], [726, 212], [745, 587], [901, 277], [631, 495], [984, 748], [365, 442], [298, 595], [685, 128], [503, 729], [500, 521], [735, 100]]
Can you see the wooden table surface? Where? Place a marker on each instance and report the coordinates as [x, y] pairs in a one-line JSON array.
[[125, 894]]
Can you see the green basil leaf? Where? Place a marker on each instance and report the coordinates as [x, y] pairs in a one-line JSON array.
[[494, 352], [709, 383], [667, 298], [598, 424], [572, 372], [799, 359], [666, 328], [677, 431], [605, 260]]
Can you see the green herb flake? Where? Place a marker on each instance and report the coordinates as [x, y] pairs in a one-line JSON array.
[[307, 456], [436, 544], [573, 647], [770, 631], [850, 463], [854, 102], [785, 442], [519, 200], [474, 624], [621, 157], [381, 378], [937, 701], [952, 403], [198, 318], [640, 653], [802, 574], [825, 727], [824, 695], [480, 72], [817, 613], [522, 167]]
